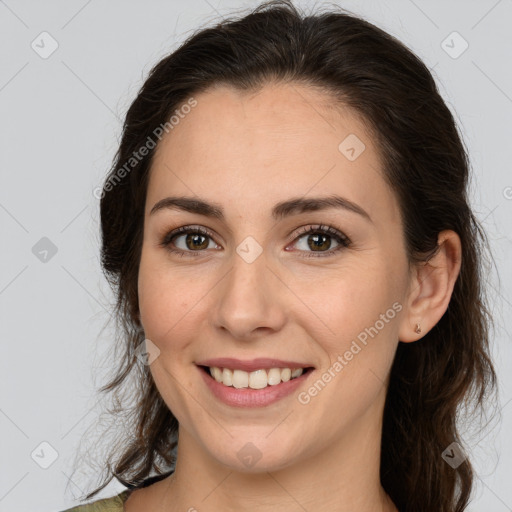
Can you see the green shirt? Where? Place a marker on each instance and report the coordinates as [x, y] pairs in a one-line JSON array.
[[116, 503], [112, 504]]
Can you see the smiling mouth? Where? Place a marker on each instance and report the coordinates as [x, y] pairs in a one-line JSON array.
[[258, 379]]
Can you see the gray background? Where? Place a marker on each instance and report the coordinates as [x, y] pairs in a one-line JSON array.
[[60, 123]]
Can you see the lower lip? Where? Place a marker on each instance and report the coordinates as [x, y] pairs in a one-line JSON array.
[[248, 397]]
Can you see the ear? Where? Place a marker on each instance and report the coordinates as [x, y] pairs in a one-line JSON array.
[[430, 288]]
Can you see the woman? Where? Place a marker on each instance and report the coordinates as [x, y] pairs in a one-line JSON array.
[[287, 228]]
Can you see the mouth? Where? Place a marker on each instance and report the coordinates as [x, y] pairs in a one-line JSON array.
[[258, 379]]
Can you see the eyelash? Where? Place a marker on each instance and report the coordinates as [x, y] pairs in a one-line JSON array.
[[344, 241]]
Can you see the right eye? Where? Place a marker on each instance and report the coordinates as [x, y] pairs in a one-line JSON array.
[[195, 239]]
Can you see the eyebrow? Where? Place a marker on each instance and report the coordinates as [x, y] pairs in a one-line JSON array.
[[281, 210]]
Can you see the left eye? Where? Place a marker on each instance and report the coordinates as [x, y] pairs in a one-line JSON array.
[[319, 240]]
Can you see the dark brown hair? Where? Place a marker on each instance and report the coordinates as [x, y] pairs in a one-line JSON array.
[[433, 380]]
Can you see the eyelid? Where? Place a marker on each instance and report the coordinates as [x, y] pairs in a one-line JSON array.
[[321, 228], [183, 230]]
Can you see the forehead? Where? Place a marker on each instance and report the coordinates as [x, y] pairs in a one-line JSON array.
[[253, 148]]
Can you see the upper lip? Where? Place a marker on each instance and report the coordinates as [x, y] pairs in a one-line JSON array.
[[252, 365]]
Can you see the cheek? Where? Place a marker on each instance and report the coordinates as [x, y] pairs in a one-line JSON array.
[[357, 314], [158, 300], [341, 297], [361, 314], [169, 299]]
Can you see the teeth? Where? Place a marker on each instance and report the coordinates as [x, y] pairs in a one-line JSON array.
[[216, 374], [258, 379], [227, 377], [286, 374], [240, 379], [296, 373], [274, 376]]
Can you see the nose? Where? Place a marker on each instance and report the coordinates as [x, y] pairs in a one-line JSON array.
[[250, 300]]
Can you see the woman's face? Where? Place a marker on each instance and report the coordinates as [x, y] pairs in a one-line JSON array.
[[258, 285]]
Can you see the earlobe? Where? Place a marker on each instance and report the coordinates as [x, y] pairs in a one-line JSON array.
[[431, 288]]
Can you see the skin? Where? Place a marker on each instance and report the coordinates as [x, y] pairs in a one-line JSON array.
[[247, 152]]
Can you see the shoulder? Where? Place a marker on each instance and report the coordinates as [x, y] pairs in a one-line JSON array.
[[117, 503], [113, 504]]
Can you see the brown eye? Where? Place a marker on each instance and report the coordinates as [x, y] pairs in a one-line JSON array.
[[186, 240], [319, 240], [195, 241]]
